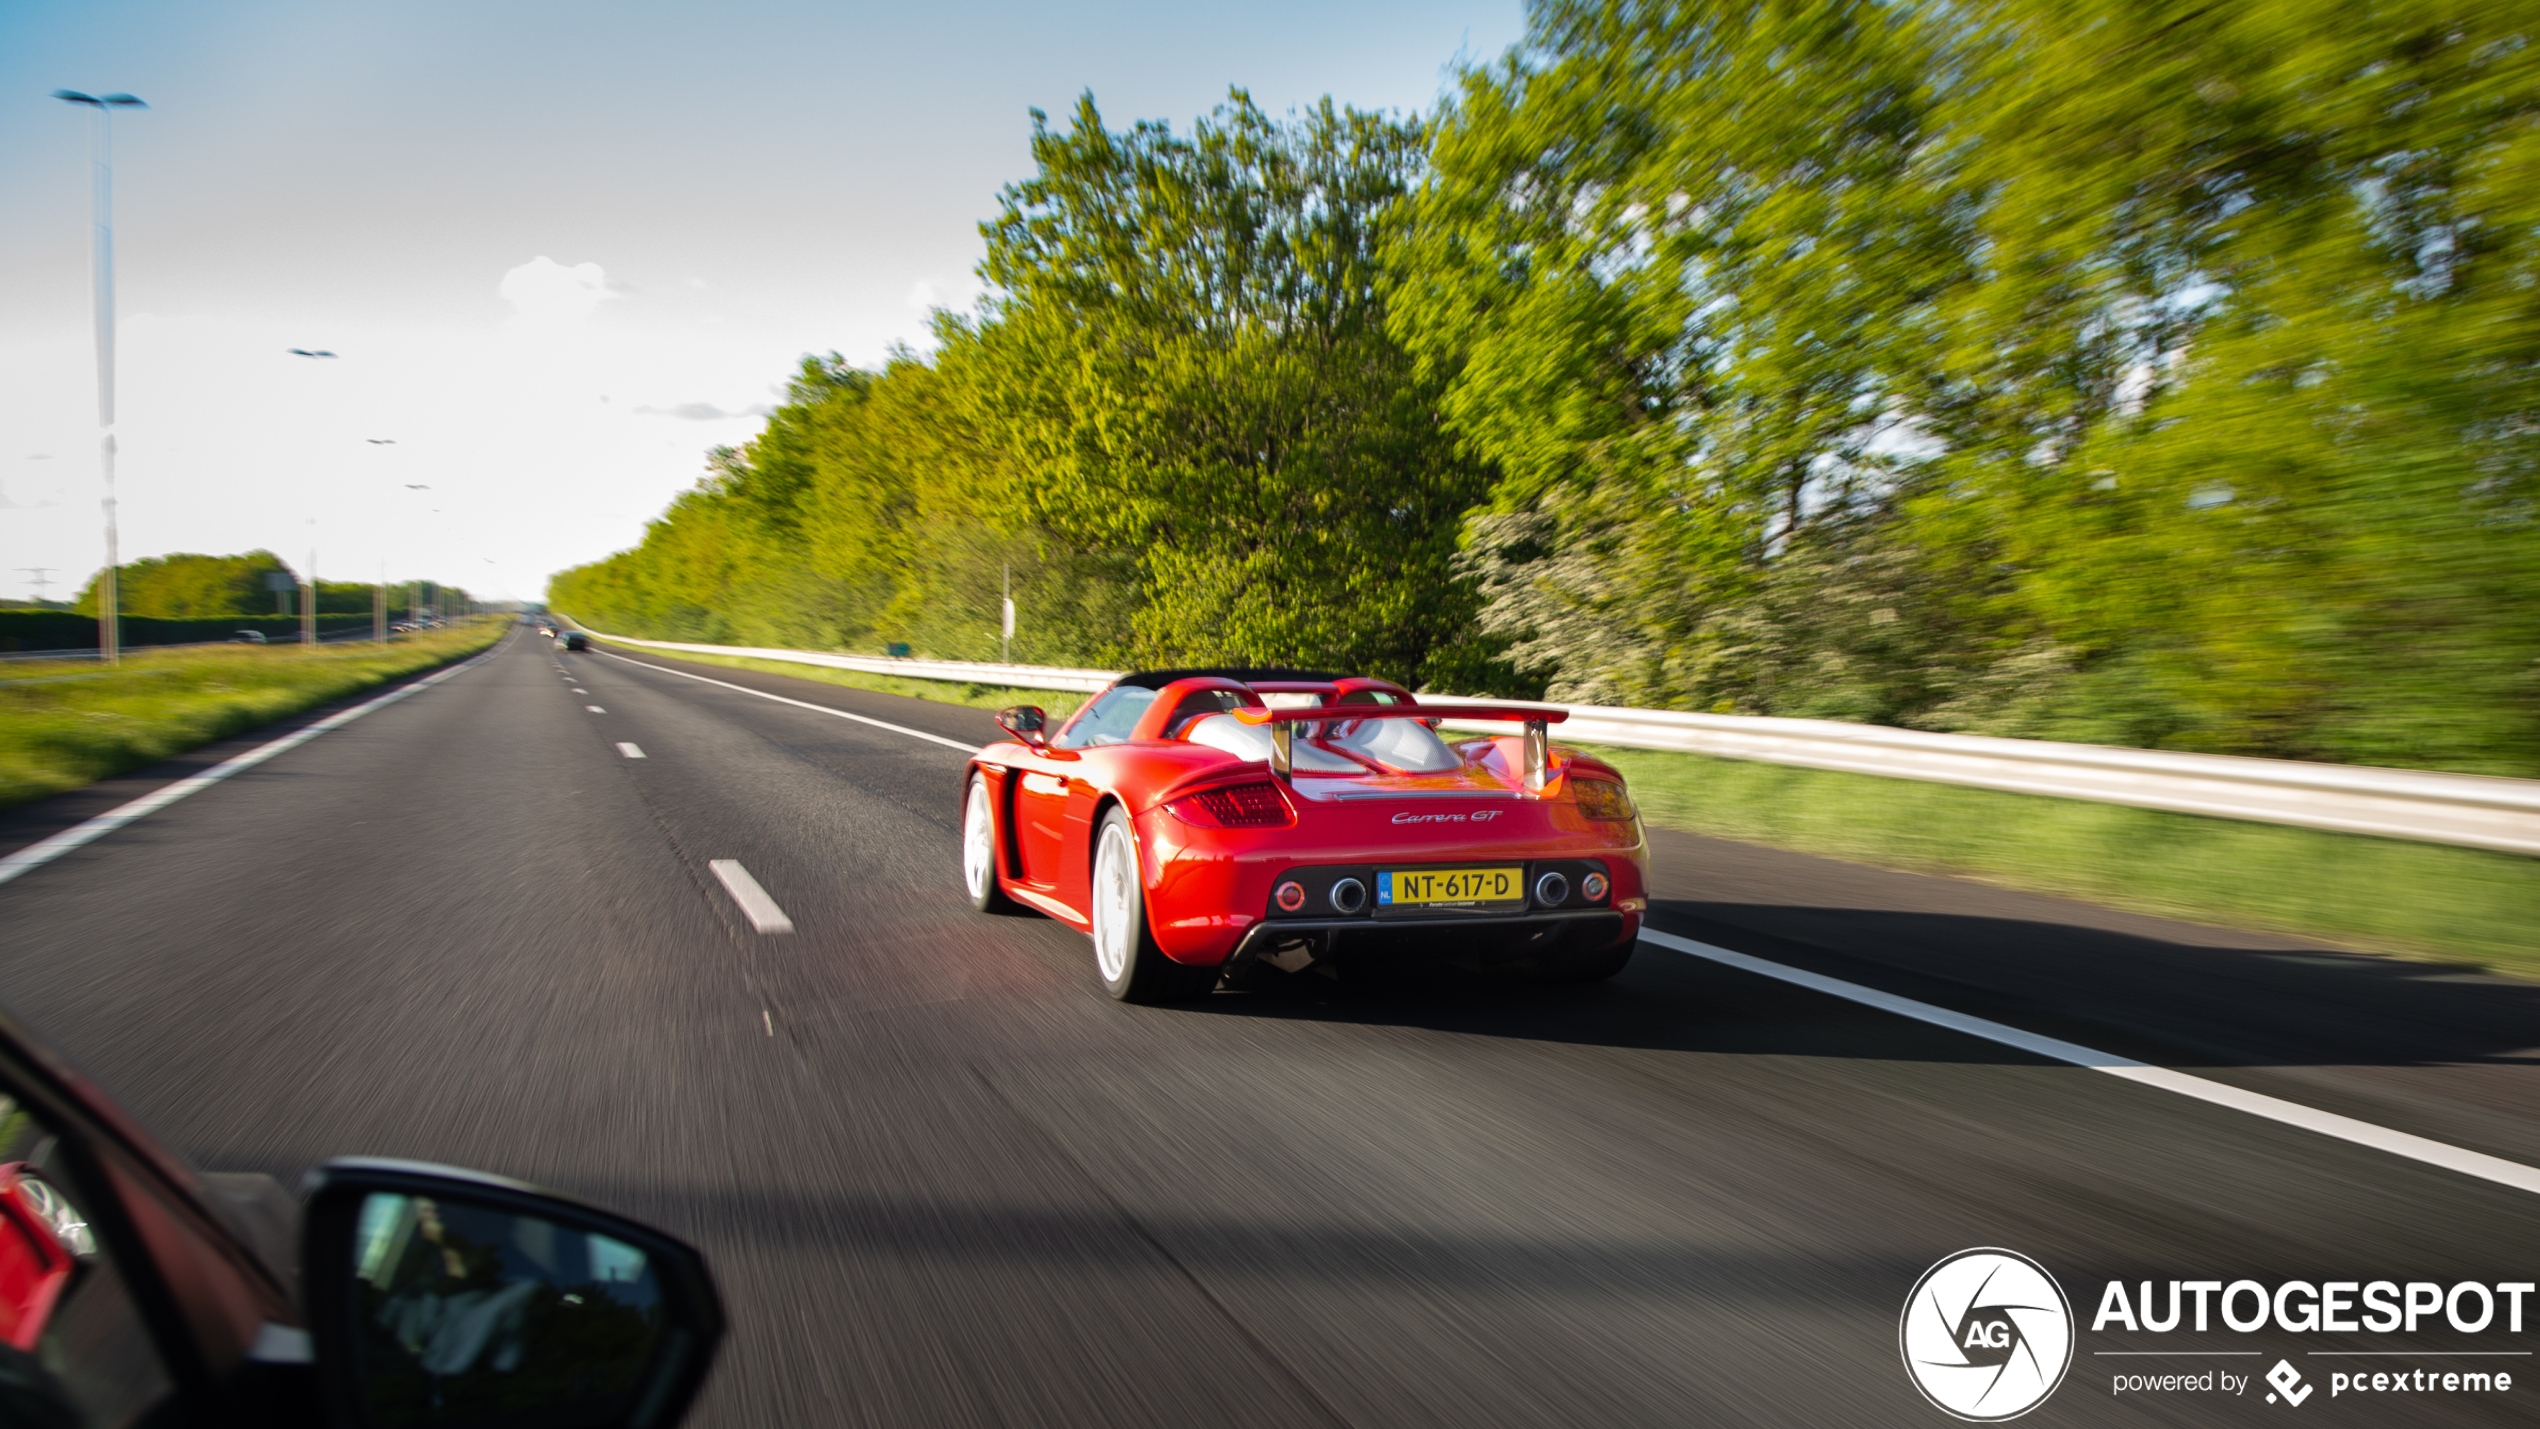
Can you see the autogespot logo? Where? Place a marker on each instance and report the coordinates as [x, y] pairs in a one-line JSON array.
[[1987, 1334]]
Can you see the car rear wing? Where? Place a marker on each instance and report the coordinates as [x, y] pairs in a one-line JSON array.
[[1537, 719]]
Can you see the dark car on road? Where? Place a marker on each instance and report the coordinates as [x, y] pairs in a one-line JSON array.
[[574, 640]]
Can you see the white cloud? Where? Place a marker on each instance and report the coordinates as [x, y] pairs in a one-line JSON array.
[[545, 291]]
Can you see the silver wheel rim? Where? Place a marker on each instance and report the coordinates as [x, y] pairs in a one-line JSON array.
[[978, 842], [1115, 906]]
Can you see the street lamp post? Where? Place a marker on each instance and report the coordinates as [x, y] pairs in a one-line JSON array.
[[102, 280], [308, 602], [414, 589]]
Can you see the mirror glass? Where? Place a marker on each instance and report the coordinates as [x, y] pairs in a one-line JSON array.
[[465, 1313]]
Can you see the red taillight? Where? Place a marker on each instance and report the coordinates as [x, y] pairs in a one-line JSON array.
[[1234, 806]]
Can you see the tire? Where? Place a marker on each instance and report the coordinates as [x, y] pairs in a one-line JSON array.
[[979, 851], [1126, 958]]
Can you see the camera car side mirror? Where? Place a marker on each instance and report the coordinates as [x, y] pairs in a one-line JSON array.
[[440, 1297]]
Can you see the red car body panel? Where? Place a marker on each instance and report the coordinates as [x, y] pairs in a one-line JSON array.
[[34, 1266], [1206, 888]]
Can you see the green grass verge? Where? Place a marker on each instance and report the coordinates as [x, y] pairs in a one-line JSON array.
[[1059, 703], [64, 724], [2379, 895]]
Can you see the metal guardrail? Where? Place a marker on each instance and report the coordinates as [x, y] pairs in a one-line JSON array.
[[2468, 810]]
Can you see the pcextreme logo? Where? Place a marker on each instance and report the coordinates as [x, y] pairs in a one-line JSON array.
[[1986, 1335]]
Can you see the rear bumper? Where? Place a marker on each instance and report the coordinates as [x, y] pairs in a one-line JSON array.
[[1209, 893], [1506, 938]]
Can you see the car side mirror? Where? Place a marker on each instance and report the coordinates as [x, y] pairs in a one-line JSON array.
[[442, 1297], [1026, 723]]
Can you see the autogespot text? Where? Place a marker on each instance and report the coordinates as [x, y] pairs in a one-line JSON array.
[[2489, 1310], [2331, 1306]]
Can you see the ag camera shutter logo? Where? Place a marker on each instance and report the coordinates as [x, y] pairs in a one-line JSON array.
[[1987, 1335]]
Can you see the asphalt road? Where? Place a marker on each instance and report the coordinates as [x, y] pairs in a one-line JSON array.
[[944, 1181]]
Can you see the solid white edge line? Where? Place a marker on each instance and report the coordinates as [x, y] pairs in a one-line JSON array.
[[628, 749], [2276, 1109], [36, 855], [808, 705], [756, 906]]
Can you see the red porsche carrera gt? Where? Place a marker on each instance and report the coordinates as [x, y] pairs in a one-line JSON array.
[[1193, 828]]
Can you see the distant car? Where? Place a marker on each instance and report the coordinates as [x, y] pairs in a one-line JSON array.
[[401, 628], [248, 637], [1194, 829], [574, 640]]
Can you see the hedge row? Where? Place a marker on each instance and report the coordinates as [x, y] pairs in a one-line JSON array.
[[62, 630]]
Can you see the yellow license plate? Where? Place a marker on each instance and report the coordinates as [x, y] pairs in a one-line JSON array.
[[1451, 885]]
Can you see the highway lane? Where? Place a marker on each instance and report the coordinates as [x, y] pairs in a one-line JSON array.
[[944, 1181]]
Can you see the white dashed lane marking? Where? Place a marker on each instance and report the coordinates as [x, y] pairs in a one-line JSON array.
[[630, 751], [595, 709], [756, 906]]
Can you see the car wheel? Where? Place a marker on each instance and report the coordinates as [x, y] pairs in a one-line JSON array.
[[1132, 967], [979, 851]]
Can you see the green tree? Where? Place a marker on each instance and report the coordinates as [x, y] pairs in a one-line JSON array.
[[185, 585], [1680, 270], [2258, 343], [1186, 350]]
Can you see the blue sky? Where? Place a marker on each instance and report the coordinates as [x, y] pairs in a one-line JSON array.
[[549, 241]]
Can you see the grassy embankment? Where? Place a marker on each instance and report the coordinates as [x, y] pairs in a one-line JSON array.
[[2382, 895], [65, 723]]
